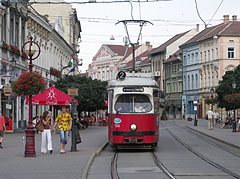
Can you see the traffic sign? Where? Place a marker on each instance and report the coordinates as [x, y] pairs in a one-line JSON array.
[[7, 89]]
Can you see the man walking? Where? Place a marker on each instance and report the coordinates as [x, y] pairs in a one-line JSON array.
[[216, 117], [210, 119], [2, 129]]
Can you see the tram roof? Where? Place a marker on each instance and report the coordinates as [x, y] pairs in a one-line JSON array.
[[133, 81]]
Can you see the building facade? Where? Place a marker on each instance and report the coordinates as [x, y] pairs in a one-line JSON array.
[[173, 85], [65, 21], [163, 52], [13, 19], [105, 63]]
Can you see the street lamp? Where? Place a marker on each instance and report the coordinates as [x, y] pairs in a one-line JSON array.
[[234, 120], [30, 133], [195, 102], [212, 90]]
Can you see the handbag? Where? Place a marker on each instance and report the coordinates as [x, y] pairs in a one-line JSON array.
[[39, 126]]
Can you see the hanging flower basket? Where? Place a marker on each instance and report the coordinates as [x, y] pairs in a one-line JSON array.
[[5, 45], [29, 83], [55, 72], [15, 49]]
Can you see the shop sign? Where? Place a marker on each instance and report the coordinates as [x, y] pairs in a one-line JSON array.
[[7, 90]]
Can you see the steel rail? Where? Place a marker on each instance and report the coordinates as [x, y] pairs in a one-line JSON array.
[[161, 166], [209, 142], [114, 173], [203, 157]]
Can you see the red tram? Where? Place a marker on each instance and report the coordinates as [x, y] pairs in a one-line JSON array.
[[133, 112]]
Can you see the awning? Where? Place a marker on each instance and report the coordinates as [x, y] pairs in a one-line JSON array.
[[52, 96]]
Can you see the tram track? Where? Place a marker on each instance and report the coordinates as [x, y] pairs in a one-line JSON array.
[[159, 164], [216, 165], [209, 142]]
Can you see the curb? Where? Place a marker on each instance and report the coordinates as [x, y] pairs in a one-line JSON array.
[[233, 145], [91, 159]]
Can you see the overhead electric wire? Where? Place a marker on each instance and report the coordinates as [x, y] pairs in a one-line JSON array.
[[131, 10], [199, 14], [80, 2], [215, 12]]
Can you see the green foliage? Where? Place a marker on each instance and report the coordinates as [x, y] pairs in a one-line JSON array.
[[225, 88], [92, 93], [29, 83]]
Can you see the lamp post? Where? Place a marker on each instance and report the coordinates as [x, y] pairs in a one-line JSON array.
[[30, 133], [234, 120], [195, 102], [212, 90]]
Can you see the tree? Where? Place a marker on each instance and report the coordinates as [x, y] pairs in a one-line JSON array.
[[92, 93], [225, 90]]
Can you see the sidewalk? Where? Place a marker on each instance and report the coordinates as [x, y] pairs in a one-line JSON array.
[[223, 135], [47, 166]]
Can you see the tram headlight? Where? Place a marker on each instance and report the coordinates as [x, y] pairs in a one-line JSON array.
[[133, 127]]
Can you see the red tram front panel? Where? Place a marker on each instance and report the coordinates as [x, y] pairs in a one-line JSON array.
[[146, 132]]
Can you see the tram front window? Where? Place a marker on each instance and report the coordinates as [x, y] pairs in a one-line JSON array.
[[129, 103]]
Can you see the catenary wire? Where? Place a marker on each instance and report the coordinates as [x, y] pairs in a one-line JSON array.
[[215, 12]]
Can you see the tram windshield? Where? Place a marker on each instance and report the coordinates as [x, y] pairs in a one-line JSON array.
[[133, 103]]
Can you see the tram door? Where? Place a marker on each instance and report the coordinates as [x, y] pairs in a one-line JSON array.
[[8, 114], [110, 117]]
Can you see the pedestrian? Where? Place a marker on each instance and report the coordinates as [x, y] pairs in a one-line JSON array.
[[65, 124], [210, 119], [46, 133], [2, 129], [216, 117]]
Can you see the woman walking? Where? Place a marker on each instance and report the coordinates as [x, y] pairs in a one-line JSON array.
[[46, 134], [65, 124]]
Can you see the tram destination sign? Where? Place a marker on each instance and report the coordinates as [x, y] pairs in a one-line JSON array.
[[133, 89]]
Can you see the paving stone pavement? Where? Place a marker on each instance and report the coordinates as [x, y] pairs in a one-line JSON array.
[[13, 164]]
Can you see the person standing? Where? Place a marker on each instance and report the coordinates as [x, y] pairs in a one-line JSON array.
[[65, 124], [216, 116], [46, 134], [210, 119], [2, 129]]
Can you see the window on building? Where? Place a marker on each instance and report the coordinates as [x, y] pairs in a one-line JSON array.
[[4, 28], [12, 30], [184, 83], [209, 79], [17, 34], [192, 82], [216, 53], [188, 82], [196, 56], [205, 56], [230, 52], [212, 79], [184, 60], [196, 79], [192, 57], [205, 82], [212, 54], [201, 56], [201, 82], [209, 55], [188, 60]]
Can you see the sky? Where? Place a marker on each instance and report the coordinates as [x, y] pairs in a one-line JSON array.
[[98, 21]]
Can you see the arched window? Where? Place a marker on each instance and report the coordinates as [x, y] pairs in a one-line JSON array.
[[192, 81], [184, 83], [196, 79]]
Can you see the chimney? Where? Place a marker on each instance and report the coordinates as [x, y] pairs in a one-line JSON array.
[[197, 27], [234, 18], [149, 46], [225, 19]]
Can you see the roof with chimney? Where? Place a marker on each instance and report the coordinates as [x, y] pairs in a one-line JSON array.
[[228, 28], [167, 43]]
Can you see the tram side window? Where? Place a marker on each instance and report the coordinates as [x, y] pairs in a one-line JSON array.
[[129, 103]]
